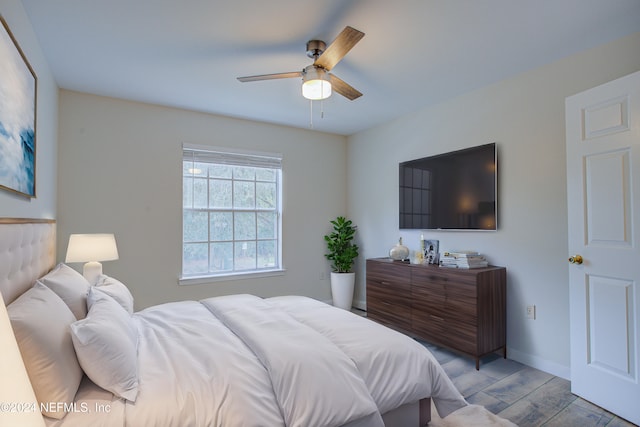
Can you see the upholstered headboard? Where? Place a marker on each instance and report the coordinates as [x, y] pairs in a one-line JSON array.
[[27, 252]]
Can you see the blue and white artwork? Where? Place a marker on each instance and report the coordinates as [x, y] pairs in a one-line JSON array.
[[17, 118]]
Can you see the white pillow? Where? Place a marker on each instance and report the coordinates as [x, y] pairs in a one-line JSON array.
[[40, 321], [116, 290], [106, 343], [69, 285]]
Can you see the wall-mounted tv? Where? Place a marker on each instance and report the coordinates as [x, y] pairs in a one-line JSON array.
[[451, 191]]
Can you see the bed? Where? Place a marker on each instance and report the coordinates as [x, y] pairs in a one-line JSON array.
[[237, 360]]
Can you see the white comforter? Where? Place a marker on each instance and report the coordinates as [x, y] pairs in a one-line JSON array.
[[246, 361]]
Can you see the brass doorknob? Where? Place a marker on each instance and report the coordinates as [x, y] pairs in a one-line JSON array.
[[576, 259]]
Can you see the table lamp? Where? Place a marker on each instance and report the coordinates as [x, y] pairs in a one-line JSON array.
[[91, 249]]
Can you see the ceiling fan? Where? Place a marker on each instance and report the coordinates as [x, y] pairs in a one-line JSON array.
[[318, 83]]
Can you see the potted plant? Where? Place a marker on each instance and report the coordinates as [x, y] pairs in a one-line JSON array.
[[342, 253]]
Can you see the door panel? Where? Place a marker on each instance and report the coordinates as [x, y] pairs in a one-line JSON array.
[[608, 198], [611, 333]]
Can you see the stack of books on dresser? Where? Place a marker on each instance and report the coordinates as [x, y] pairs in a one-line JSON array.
[[463, 259]]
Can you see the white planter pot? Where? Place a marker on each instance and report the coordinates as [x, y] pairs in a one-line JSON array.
[[342, 285]]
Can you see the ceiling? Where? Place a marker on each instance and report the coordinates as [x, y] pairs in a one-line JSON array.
[[415, 53]]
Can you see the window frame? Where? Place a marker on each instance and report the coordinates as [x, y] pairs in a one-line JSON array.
[[231, 157]]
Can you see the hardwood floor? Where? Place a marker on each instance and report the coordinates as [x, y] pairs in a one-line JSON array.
[[524, 395]]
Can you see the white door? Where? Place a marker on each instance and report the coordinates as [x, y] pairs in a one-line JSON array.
[[603, 192]]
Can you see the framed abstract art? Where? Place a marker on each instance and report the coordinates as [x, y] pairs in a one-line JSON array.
[[17, 117]]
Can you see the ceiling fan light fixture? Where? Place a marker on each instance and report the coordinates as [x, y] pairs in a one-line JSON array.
[[315, 84]]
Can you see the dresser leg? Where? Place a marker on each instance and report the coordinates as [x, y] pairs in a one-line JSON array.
[[504, 352], [477, 363]]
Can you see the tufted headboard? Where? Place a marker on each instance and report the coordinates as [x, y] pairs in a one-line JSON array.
[[27, 252]]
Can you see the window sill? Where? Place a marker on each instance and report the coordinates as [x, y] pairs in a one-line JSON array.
[[199, 280]]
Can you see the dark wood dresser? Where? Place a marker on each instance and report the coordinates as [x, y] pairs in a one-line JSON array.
[[461, 309]]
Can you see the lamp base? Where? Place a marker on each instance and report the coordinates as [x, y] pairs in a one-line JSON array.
[[91, 271]]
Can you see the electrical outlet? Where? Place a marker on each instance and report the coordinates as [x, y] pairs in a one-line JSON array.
[[531, 312]]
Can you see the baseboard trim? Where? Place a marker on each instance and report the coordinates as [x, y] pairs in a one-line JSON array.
[[545, 365], [360, 304]]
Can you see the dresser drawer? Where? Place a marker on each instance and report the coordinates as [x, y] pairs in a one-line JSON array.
[[430, 304], [434, 289], [381, 296], [389, 275], [429, 276], [429, 325], [462, 336], [387, 304], [462, 292], [390, 316]]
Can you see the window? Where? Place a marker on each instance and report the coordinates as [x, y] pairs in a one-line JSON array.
[[231, 212]]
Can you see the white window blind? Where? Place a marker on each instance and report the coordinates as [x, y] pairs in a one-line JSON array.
[[233, 158]]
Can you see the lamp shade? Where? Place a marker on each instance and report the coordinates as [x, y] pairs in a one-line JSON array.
[[315, 84], [15, 388], [91, 247]]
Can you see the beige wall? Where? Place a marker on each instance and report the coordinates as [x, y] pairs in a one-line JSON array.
[[44, 204], [120, 171], [525, 116]]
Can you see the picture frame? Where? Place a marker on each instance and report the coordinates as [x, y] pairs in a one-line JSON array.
[[431, 251], [18, 93]]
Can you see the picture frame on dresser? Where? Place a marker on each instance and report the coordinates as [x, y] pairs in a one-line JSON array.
[[431, 251], [18, 84]]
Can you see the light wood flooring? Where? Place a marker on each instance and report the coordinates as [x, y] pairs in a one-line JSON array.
[[524, 395]]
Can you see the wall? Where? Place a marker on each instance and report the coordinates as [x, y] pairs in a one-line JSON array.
[[120, 171], [525, 116], [44, 204]]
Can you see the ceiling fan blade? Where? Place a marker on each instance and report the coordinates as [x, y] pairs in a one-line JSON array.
[[343, 88], [270, 76], [339, 48]]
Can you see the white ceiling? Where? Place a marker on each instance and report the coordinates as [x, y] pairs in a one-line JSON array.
[[415, 53]]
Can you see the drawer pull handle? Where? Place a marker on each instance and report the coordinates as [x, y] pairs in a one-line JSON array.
[[439, 319], [386, 303], [384, 283]]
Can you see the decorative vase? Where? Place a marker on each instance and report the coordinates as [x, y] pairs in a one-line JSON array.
[[399, 252], [342, 285]]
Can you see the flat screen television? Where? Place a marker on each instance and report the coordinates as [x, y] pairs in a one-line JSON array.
[[451, 191]]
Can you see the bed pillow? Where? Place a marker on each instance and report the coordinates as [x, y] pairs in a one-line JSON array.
[[40, 321], [116, 290], [69, 285], [106, 343]]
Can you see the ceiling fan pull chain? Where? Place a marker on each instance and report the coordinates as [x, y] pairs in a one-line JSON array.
[[310, 114]]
